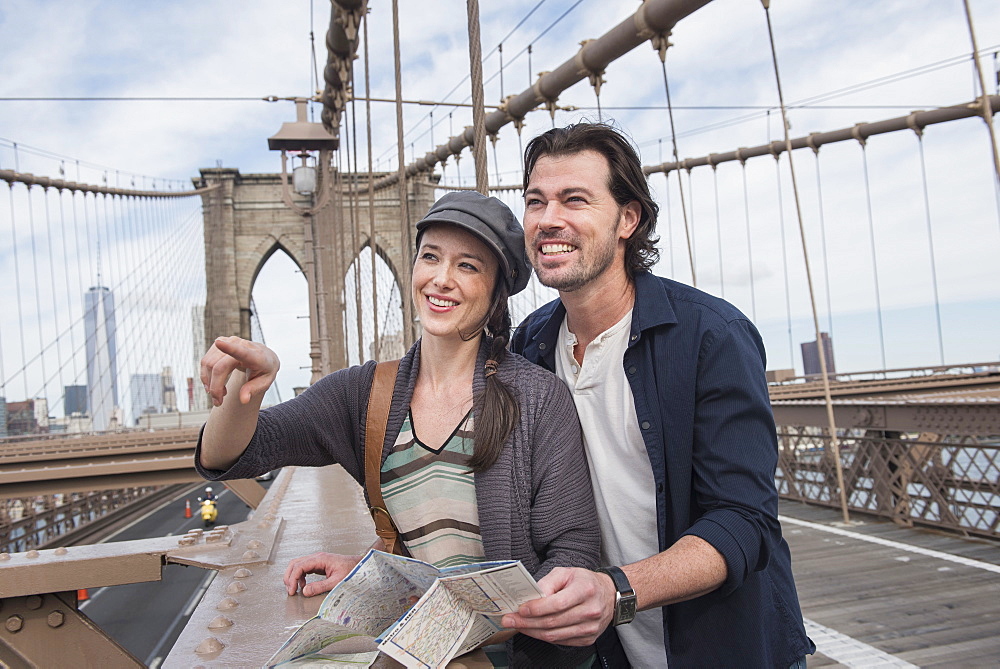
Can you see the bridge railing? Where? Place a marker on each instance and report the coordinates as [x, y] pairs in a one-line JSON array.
[[951, 482]]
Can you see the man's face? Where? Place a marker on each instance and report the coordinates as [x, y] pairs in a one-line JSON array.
[[574, 231]]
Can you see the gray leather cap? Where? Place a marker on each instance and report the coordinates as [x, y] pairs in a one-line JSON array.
[[493, 222]]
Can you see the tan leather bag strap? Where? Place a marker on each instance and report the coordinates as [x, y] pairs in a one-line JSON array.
[[375, 424]]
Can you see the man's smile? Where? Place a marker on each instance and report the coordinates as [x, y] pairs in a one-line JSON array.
[[555, 249]]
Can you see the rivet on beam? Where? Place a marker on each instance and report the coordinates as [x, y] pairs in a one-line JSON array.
[[220, 622], [209, 645], [227, 604], [235, 588]]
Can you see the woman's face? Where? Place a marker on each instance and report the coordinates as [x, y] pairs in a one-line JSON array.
[[453, 279]]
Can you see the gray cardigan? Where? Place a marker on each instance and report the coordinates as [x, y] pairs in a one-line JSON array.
[[535, 504]]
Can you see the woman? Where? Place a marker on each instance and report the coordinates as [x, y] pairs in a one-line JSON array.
[[494, 440]]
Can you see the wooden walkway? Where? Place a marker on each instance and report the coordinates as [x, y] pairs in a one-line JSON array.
[[877, 595]]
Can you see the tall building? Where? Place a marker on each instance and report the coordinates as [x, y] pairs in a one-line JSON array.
[[197, 397], [74, 400], [102, 365], [3, 416], [169, 392], [146, 393], [810, 356]]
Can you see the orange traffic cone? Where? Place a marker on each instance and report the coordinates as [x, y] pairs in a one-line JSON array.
[[187, 508], [82, 595]]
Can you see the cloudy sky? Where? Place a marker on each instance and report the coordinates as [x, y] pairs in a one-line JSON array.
[[867, 215]]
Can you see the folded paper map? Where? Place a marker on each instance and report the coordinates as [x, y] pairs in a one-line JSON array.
[[458, 608]]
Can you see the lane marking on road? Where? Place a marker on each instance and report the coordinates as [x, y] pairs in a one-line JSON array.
[[154, 659], [957, 559], [849, 651]]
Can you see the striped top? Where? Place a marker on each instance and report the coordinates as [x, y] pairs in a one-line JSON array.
[[431, 496]]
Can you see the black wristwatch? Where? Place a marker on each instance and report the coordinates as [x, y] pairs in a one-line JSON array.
[[624, 596]]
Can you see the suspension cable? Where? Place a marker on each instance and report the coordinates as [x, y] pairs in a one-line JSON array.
[[371, 198], [984, 103], [677, 159], [834, 442], [746, 216], [822, 231], [478, 112], [718, 230], [408, 314], [693, 237], [356, 228], [930, 244], [871, 238], [17, 285], [784, 260]]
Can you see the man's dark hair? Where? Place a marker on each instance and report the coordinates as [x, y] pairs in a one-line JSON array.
[[626, 179]]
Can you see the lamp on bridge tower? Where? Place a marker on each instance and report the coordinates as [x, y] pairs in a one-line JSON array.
[[308, 178]]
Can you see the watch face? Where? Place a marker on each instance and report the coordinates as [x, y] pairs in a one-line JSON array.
[[626, 610]]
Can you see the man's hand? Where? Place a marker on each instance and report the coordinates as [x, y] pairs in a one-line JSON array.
[[231, 353], [578, 606], [334, 567]]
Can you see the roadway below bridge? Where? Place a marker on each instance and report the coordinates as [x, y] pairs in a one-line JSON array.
[[147, 618]]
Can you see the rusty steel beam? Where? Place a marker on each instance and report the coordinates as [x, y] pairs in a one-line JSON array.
[[914, 384], [49, 631], [42, 447], [915, 121], [98, 462], [248, 490], [653, 18], [958, 417]]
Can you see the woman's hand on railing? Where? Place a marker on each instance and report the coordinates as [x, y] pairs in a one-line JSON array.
[[332, 566]]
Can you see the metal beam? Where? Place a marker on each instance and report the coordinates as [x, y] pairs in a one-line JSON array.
[[959, 417]]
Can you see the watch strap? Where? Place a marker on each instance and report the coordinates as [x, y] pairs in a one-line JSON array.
[[625, 600]]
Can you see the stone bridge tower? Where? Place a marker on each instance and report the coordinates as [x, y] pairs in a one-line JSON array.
[[246, 222]]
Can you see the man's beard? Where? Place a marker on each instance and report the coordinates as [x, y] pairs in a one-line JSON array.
[[586, 270]]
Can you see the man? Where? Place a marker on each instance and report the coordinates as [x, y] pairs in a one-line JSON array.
[[669, 384]]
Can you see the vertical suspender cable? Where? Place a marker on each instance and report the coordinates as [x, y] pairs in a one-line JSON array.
[[38, 295], [404, 209], [371, 198], [339, 244], [677, 159], [984, 102], [670, 223], [693, 238], [834, 442], [718, 229], [478, 110], [52, 286], [784, 261], [355, 226], [3, 373], [17, 290], [930, 245], [826, 257], [746, 216], [69, 294], [871, 237]]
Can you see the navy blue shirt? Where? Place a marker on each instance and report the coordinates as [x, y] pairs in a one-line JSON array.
[[696, 368]]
